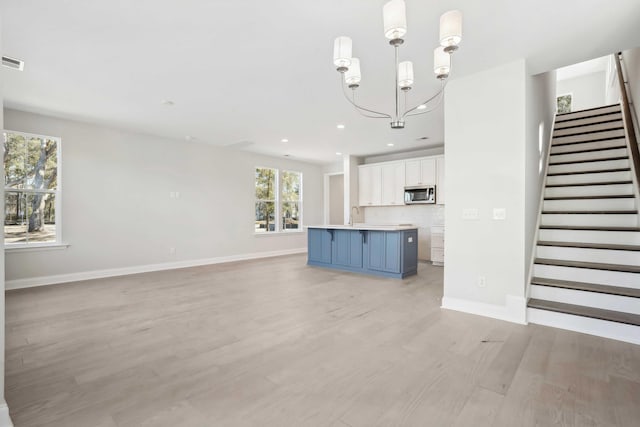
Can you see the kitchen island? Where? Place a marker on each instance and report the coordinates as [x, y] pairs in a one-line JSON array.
[[381, 250]]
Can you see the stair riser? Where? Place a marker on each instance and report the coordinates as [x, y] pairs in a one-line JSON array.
[[598, 145], [588, 128], [586, 275], [596, 220], [589, 190], [585, 325], [588, 121], [606, 256], [591, 166], [587, 299], [590, 178], [589, 137], [580, 114], [587, 236], [589, 204], [576, 157]]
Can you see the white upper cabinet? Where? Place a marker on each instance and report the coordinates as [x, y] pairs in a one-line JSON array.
[[382, 184], [370, 185], [420, 172], [440, 189], [393, 176]]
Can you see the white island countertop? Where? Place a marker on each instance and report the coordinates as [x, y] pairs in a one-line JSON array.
[[363, 226]]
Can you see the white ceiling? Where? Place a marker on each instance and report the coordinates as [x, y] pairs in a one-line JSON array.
[[260, 71]]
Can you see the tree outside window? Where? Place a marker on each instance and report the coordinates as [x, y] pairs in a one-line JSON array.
[[31, 189], [278, 194], [564, 103]]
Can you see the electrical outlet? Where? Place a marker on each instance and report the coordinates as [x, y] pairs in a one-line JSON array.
[[499, 214], [470, 213], [482, 282]]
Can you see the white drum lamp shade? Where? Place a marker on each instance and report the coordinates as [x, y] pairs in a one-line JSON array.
[[394, 16], [342, 52], [441, 62], [405, 74], [353, 76], [451, 28]]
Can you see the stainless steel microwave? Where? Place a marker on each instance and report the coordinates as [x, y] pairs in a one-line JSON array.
[[424, 194]]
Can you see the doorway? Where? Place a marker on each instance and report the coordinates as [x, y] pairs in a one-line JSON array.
[[334, 197]]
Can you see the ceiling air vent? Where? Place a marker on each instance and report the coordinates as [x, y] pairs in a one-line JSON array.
[[16, 64]]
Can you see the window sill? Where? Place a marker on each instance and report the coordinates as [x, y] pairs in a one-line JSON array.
[[278, 233], [36, 247]]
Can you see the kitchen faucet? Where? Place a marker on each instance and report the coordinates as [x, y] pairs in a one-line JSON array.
[[351, 214]]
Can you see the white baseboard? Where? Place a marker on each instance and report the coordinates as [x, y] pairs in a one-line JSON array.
[[5, 419], [99, 274], [514, 310]]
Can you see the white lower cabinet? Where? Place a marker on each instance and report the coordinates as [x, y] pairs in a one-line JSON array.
[[437, 244]]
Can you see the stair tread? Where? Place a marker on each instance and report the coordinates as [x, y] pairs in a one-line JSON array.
[[580, 310], [627, 169], [597, 120], [590, 150], [608, 196], [588, 109], [589, 131], [589, 265], [603, 159], [585, 184], [590, 245], [617, 212], [588, 287], [608, 138], [588, 228]]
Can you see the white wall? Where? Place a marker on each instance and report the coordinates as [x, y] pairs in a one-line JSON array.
[[632, 66], [423, 216], [4, 410], [485, 141], [116, 208], [540, 113], [336, 199], [588, 90]]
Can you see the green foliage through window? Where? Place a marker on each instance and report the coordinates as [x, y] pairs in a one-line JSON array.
[[277, 192], [31, 187], [564, 103]]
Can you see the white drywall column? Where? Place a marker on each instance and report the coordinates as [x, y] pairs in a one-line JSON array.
[[351, 189], [485, 141], [4, 410]]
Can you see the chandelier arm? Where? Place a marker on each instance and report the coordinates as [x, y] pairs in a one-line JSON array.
[[359, 108], [440, 92], [437, 104]]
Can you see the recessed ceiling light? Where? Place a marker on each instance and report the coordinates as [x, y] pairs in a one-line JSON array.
[[167, 102], [421, 107], [14, 63], [284, 140], [390, 144], [340, 126], [338, 153]]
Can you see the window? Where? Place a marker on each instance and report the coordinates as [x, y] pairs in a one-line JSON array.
[[564, 103], [278, 195], [32, 190]]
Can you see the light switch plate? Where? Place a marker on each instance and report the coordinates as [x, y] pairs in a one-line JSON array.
[[499, 214], [470, 213]]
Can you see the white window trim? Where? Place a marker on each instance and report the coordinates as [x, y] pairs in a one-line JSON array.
[[20, 247], [278, 204]]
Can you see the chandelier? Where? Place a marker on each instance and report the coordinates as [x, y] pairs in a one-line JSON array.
[[395, 27]]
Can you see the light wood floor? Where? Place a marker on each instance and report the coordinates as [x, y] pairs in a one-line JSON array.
[[276, 343]]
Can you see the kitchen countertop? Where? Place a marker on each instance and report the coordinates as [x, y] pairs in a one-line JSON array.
[[362, 226]]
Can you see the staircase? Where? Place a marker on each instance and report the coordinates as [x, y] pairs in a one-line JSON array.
[[586, 272]]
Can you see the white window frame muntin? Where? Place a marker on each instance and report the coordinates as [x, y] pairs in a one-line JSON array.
[[300, 226], [278, 208], [57, 192], [276, 200]]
